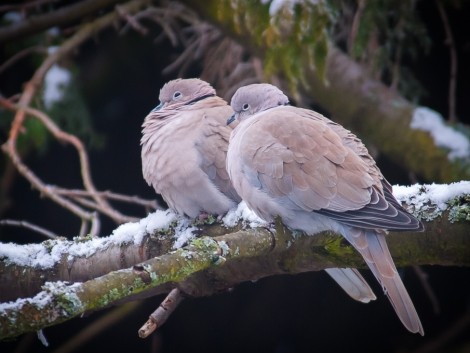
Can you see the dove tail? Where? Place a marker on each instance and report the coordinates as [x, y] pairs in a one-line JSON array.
[[352, 283], [373, 247]]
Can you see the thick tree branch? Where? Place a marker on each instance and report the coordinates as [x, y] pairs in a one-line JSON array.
[[74, 264], [209, 265]]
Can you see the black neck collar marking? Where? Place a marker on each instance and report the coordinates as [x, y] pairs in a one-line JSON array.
[[200, 98]]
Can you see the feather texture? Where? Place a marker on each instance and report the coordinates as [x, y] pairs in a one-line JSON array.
[[184, 146], [316, 175]]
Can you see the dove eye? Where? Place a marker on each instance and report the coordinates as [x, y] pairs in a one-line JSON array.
[[245, 106], [176, 95]]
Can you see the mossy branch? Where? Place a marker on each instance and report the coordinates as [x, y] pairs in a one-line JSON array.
[[208, 265]]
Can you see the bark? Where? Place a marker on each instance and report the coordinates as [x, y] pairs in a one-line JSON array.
[[443, 243], [373, 111], [208, 265]]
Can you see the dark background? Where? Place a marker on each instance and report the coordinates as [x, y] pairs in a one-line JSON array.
[[120, 78]]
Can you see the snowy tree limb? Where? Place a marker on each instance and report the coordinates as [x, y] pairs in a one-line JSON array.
[[211, 264]]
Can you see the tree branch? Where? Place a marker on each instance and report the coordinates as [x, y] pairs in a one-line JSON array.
[[453, 63], [218, 260], [23, 107], [62, 16]]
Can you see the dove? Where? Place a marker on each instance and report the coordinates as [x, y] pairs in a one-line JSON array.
[[316, 175], [184, 146]]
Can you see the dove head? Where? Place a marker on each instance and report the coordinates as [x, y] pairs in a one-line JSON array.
[[182, 92], [255, 98]]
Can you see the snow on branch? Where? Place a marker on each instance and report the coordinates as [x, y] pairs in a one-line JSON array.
[[444, 136], [206, 265]]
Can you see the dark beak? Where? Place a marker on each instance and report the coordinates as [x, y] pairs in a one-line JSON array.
[[157, 108], [231, 119]]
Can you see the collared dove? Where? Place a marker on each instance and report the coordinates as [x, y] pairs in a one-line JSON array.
[[184, 146], [316, 175]]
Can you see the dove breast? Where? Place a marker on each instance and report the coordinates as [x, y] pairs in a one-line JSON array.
[[184, 147], [288, 164], [316, 175]]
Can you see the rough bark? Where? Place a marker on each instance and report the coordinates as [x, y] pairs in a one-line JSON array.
[[209, 265]]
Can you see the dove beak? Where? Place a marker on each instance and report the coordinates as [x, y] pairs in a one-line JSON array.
[[158, 107], [231, 119]]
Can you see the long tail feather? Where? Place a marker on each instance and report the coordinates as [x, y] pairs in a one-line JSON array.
[[380, 262], [352, 283]]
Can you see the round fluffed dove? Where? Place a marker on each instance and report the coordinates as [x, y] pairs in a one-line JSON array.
[[184, 146], [316, 175]]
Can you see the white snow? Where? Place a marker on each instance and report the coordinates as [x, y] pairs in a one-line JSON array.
[[434, 194], [45, 297], [277, 5], [183, 235], [55, 82], [13, 17], [42, 338], [135, 231], [444, 136], [52, 49], [46, 254], [54, 31], [28, 255], [244, 213]]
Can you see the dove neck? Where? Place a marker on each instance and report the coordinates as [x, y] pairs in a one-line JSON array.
[[200, 98]]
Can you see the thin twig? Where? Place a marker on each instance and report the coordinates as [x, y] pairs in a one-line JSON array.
[[30, 226], [131, 20], [396, 63], [84, 165], [355, 24], [453, 62], [39, 185], [96, 327], [104, 207], [423, 278], [436, 344], [20, 55], [22, 108], [111, 196], [163, 312]]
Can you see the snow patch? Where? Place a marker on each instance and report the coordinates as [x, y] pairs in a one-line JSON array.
[[42, 338], [183, 235], [54, 31], [431, 198], [244, 213], [48, 253], [276, 5], [436, 194], [13, 17], [36, 255], [56, 81], [444, 136], [45, 297]]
